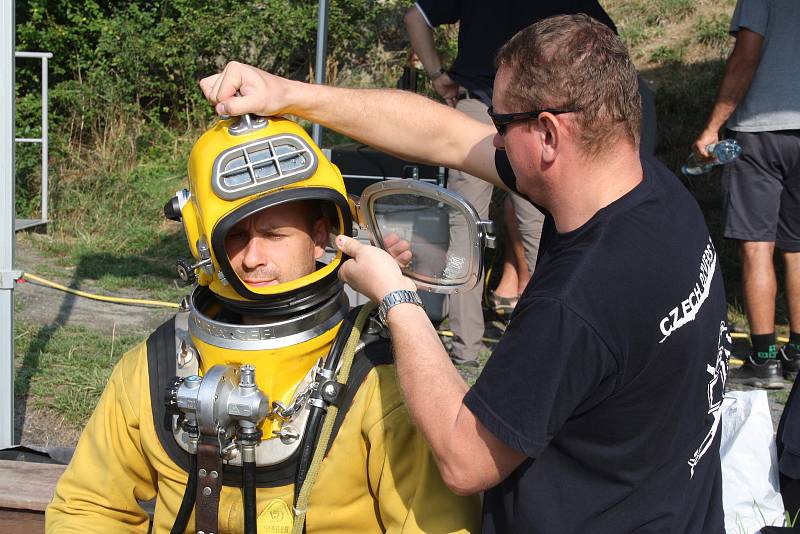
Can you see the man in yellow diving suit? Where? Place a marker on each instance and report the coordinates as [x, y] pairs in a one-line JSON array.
[[225, 412]]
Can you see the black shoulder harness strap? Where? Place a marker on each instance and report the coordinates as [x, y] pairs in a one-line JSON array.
[[161, 369]]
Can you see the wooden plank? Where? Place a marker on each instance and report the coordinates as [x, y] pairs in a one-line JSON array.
[[17, 522], [27, 485]]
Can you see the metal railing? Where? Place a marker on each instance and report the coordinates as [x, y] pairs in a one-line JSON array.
[[19, 224]]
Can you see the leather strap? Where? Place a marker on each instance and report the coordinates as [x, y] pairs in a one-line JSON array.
[[209, 482]]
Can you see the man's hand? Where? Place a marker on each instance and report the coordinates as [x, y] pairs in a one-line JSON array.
[[371, 271], [258, 92], [706, 138], [447, 89], [399, 249]]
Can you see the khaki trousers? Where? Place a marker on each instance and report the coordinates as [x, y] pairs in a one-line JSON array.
[[466, 313]]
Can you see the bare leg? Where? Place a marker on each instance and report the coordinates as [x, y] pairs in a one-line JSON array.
[[516, 246], [759, 285], [507, 287], [509, 284], [791, 261]]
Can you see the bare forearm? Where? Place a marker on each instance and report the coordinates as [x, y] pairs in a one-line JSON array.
[[470, 459], [431, 384], [421, 37], [739, 71], [401, 123]]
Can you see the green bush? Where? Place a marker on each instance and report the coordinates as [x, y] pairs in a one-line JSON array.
[[124, 101]]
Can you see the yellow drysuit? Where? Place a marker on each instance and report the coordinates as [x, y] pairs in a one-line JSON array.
[[379, 475]]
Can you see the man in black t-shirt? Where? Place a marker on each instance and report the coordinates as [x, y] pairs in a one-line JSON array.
[[599, 410], [467, 86]]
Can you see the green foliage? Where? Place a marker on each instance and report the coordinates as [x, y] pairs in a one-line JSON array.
[[712, 31], [673, 10], [653, 13], [669, 53], [148, 55], [633, 34], [124, 102]]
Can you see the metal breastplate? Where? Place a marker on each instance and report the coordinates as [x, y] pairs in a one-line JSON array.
[[191, 323]]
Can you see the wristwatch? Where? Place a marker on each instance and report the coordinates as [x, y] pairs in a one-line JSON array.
[[437, 73], [394, 298]]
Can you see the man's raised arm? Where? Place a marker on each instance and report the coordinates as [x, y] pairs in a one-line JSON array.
[[398, 122]]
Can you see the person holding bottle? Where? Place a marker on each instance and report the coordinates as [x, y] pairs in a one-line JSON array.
[[759, 104]]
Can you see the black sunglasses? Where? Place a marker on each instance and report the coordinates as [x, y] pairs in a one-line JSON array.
[[502, 120]]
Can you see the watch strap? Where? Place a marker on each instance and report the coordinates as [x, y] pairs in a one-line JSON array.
[[400, 296], [436, 74]]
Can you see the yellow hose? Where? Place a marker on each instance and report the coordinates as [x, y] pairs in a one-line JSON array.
[[348, 355], [104, 298], [745, 335]]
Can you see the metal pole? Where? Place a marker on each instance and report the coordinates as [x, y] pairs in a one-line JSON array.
[[45, 143], [321, 59], [7, 276]]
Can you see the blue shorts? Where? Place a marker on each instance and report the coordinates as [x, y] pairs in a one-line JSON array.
[[761, 189]]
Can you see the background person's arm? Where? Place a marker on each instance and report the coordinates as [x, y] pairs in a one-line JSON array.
[[421, 36], [398, 122], [739, 71]]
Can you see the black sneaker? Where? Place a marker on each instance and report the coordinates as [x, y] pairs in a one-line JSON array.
[[765, 375], [790, 361]]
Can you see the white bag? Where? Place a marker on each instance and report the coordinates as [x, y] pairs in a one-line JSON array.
[[750, 488]]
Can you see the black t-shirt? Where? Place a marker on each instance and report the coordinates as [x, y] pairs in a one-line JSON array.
[[486, 26], [611, 373]]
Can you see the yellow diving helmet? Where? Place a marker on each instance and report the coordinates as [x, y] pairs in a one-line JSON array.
[[242, 166]]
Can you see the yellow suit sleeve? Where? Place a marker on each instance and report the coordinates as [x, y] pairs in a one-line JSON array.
[[410, 492], [98, 492]]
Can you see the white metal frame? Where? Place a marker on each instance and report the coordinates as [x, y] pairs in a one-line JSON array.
[[20, 224], [7, 276]]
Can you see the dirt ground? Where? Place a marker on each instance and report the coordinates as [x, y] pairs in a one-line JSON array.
[[37, 304]]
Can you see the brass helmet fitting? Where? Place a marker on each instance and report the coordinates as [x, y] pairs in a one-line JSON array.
[[243, 166]]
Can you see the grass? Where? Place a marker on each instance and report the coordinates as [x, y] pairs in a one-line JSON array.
[[64, 369]]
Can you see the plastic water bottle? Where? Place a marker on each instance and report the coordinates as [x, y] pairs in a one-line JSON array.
[[723, 152]]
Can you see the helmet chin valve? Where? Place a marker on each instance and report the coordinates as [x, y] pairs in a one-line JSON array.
[[223, 411]]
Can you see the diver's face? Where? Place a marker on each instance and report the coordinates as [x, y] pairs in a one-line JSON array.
[[276, 245]]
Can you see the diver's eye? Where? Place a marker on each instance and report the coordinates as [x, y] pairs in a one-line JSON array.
[[236, 238]]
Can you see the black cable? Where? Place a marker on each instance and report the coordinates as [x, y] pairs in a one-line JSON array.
[[189, 496], [249, 496], [316, 414], [361, 150]]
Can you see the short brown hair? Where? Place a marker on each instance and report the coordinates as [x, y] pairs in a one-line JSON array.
[[575, 62]]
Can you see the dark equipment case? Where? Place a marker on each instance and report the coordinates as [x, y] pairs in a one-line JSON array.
[[362, 166]]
